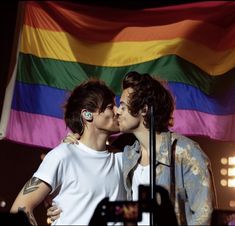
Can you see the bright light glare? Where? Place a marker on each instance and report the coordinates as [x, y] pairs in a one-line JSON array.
[[224, 161], [231, 183], [231, 171], [223, 172], [223, 183], [231, 160], [232, 203]]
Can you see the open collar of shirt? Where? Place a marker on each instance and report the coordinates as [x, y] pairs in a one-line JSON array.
[[162, 153]]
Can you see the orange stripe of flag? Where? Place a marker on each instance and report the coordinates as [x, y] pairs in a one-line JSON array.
[[84, 26]]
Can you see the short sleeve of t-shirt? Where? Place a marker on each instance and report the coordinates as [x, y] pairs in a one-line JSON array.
[[50, 168]]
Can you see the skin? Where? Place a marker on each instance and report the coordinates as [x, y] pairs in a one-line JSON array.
[[95, 135], [135, 125], [127, 124], [31, 195], [98, 130], [130, 124]]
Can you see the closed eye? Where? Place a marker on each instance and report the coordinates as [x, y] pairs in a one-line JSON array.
[[110, 106], [122, 106]]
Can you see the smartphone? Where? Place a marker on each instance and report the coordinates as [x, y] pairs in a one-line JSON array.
[[123, 211]]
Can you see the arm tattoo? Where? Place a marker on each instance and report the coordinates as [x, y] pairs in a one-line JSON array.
[[31, 185], [29, 215]]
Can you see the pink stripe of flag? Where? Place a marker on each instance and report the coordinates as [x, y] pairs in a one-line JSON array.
[[217, 127], [44, 131]]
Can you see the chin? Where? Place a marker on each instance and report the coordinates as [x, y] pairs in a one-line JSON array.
[[121, 128], [114, 132]]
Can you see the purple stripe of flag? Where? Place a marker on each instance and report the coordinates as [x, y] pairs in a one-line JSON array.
[[218, 127]]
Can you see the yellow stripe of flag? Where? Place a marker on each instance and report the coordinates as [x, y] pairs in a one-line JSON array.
[[62, 46]]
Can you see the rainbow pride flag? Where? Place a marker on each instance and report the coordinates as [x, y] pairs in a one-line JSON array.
[[61, 44]]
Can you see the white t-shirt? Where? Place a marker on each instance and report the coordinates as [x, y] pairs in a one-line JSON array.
[[80, 178], [141, 176]]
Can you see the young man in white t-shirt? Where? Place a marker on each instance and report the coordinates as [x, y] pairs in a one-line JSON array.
[[79, 176], [194, 198]]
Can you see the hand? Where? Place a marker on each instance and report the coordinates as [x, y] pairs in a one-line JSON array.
[[71, 138], [53, 213]]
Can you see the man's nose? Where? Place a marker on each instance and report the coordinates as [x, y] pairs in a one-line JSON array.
[[117, 110]]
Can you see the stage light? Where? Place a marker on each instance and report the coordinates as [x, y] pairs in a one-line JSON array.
[[3, 204], [231, 183], [231, 160], [232, 203], [224, 171], [228, 172], [231, 172], [224, 161], [223, 182]]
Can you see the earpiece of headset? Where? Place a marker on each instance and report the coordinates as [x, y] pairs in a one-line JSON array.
[[88, 115]]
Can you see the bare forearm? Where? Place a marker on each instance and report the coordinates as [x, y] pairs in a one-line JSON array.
[[32, 194]]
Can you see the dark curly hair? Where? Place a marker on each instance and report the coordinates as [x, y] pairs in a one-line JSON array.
[[148, 91], [92, 95]]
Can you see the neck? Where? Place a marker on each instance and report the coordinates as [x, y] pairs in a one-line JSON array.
[[94, 139], [143, 137], [142, 134]]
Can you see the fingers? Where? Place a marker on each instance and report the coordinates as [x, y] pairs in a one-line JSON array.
[[72, 138], [50, 220], [53, 213], [77, 135]]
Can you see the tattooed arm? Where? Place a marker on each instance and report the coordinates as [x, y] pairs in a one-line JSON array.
[[31, 195]]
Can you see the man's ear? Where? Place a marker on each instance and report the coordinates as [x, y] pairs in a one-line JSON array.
[[144, 110], [87, 115]]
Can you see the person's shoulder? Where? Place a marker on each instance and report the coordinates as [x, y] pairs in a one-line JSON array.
[[189, 146], [131, 150], [61, 151], [131, 146], [118, 156], [184, 141]]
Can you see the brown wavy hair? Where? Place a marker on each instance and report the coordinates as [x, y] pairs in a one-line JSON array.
[[148, 91], [92, 95]]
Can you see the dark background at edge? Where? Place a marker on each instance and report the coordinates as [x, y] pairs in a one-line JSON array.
[[18, 161]]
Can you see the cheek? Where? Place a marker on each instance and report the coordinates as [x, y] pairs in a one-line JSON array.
[[127, 116], [127, 125], [128, 121], [107, 119]]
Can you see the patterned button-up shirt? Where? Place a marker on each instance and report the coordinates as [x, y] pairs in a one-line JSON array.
[[193, 177]]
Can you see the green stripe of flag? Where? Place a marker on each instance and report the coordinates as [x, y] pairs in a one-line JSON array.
[[67, 75]]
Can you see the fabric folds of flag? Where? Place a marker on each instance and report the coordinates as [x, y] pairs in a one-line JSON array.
[[62, 44]]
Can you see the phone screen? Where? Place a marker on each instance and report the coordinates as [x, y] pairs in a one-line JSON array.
[[123, 211]]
